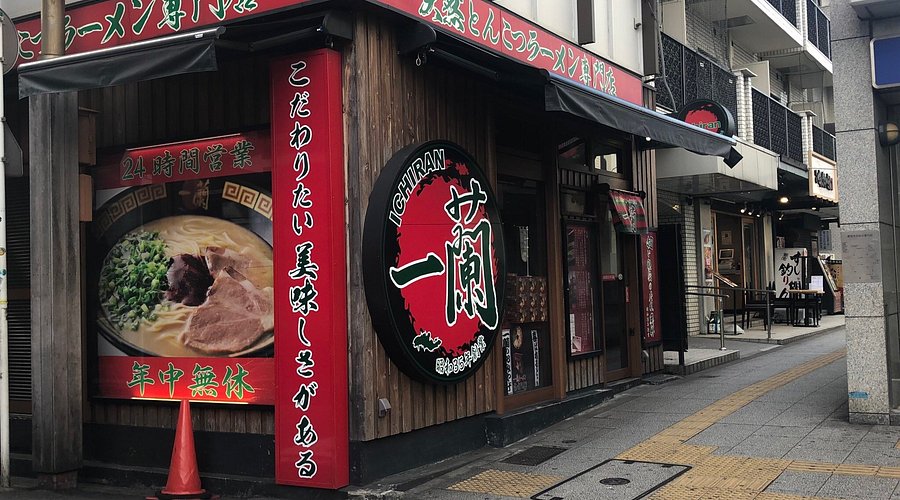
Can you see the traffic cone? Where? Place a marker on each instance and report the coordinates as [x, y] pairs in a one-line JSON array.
[[184, 476]]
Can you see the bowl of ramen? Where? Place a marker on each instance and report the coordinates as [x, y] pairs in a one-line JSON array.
[[188, 285]]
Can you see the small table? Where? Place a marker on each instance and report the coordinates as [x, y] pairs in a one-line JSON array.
[[807, 300]]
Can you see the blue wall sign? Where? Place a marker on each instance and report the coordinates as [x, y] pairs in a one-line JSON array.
[[886, 62]]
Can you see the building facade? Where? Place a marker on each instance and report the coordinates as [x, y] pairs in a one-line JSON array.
[[344, 230], [864, 101], [729, 228]]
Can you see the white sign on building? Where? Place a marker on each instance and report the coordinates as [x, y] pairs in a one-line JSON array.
[[822, 177], [789, 264]]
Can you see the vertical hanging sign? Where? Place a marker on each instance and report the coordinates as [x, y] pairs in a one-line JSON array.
[[311, 422], [650, 290]]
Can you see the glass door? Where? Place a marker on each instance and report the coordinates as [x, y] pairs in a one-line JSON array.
[[614, 286]]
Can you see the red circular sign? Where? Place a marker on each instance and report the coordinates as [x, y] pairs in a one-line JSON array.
[[433, 262]]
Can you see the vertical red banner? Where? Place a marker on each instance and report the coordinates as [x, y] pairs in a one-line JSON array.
[[650, 291], [311, 421]]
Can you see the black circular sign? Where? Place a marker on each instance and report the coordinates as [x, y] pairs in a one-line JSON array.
[[709, 115], [433, 262]]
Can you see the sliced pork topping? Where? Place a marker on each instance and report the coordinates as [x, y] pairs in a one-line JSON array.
[[235, 315], [218, 258]]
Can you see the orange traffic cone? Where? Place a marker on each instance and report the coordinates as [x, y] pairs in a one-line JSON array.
[[184, 476]]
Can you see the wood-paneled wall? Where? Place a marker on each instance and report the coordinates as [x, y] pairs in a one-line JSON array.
[[654, 362], [584, 373], [390, 103]]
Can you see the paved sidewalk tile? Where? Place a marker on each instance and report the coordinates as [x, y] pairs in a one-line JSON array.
[[858, 487], [799, 483]]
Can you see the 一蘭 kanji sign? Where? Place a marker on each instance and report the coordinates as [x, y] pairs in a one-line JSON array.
[[434, 270]]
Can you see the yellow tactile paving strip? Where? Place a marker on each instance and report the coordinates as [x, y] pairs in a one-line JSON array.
[[712, 477], [506, 483], [725, 477]]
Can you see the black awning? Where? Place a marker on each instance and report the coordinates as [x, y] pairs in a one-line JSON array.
[[622, 115], [173, 55]]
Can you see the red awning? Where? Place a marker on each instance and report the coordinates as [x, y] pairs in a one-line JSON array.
[[628, 212]]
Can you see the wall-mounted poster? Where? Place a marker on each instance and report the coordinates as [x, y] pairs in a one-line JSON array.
[[181, 272], [650, 299], [523, 352], [725, 238]]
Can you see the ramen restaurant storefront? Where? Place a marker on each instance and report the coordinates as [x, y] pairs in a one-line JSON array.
[[323, 245]]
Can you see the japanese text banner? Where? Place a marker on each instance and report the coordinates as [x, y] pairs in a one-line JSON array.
[[311, 421]]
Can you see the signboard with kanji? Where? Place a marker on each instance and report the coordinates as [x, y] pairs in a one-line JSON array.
[[433, 268], [479, 22], [311, 409], [650, 288]]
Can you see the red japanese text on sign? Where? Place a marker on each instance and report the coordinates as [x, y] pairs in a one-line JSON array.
[[481, 22], [234, 154], [310, 283], [247, 380], [650, 288]]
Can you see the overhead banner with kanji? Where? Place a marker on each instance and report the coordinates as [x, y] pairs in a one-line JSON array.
[[311, 409]]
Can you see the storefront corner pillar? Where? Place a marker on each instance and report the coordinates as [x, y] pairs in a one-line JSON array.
[[56, 315]]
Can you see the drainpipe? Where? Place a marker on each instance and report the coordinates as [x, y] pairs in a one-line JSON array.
[[4, 326], [53, 23]]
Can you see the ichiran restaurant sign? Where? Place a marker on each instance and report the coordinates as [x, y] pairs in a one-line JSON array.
[[433, 262], [709, 115]]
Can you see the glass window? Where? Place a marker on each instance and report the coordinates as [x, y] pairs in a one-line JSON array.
[[526, 332]]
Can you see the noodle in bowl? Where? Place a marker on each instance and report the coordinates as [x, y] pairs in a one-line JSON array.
[[194, 235]]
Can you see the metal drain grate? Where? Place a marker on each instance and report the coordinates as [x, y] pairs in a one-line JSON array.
[[534, 455], [614, 480]]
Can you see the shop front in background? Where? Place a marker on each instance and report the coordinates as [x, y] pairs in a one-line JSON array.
[[734, 255]]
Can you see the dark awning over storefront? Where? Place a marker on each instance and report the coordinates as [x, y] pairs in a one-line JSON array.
[[135, 62], [628, 212], [609, 110]]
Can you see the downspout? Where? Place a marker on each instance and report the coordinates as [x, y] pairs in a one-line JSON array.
[[53, 40]]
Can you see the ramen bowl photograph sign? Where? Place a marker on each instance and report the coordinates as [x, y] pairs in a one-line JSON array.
[[434, 270], [181, 279]]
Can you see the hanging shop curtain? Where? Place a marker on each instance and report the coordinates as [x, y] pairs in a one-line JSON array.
[[173, 55], [628, 212], [609, 110]]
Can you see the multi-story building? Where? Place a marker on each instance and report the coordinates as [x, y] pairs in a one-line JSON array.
[[865, 46], [768, 62]]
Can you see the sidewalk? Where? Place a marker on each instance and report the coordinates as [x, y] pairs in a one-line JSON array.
[[771, 427], [768, 427]]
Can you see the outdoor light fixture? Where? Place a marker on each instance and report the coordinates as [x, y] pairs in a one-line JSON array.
[[744, 208], [749, 211], [888, 134], [815, 208], [784, 200], [781, 216]]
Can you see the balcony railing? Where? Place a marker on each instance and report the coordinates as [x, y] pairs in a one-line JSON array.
[[692, 76], [787, 8], [824, 143], [777, 128], [818, 28]]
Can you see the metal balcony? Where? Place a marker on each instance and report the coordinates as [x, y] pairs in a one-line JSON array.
[[777, 128], [818, 30], [787, 8], [824, 143], [692, 76]]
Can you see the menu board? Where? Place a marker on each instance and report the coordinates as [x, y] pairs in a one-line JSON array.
[[581, 278]]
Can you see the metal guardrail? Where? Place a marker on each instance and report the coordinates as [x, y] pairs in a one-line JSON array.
[[777, 128], [692, 76], [787, 8], [824, 143], [818, 28]]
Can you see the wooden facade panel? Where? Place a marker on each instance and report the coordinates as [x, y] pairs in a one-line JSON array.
[[654, 361], [584, 373], [387, 109]]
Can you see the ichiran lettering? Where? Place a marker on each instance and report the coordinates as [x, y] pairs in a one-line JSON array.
[[417, 169]]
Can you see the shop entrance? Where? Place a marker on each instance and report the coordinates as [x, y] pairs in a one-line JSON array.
[[737, 254]]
